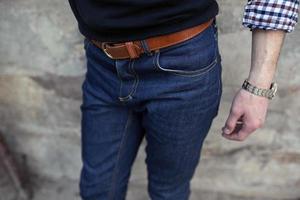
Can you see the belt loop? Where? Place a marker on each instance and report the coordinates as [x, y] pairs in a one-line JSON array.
[[146, 47], [131, 49]]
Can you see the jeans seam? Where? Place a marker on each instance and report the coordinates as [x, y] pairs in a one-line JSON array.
[[186, 73], [146, 48], [136, 78], [136, 81], [120, 78], [115, 171], [194, 73]]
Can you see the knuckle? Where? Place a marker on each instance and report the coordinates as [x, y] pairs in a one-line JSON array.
[[252, 129], [257, 124], [235, 111], [229, 125], [240, 139], [261, 123], [250, 126], [243, 137]]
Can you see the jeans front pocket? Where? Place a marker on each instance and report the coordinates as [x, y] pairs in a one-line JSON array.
[[190, 58]]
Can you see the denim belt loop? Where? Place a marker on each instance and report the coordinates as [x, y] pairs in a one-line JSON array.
[[146, 47]]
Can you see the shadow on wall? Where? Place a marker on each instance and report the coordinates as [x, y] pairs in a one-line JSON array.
[[14, 178]]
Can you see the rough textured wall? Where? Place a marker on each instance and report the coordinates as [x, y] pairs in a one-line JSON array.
[[41, 70]]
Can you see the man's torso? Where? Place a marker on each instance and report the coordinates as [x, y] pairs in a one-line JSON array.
[[123, 20]]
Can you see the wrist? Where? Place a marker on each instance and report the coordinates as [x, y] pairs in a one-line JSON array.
[[259, 81], [263, 92]]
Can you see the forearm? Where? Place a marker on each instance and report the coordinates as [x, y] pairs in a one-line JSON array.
[[266, 46], [269, 24]]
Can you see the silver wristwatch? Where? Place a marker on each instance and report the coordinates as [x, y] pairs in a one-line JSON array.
[[268, 93]]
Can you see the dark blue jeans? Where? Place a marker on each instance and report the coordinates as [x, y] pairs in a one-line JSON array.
[[170, 97]]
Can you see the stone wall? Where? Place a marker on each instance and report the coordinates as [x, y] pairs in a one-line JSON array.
[[41, 70]]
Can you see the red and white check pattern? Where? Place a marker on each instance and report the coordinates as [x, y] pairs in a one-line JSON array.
[[271, 14]]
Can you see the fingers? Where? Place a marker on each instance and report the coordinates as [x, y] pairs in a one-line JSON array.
[[232, 121], [247, 114], [248, 126], [240, 135]]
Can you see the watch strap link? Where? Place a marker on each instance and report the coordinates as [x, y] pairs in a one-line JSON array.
[[268, 93]]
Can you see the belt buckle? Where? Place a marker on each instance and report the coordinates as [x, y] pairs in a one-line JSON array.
[[103, 46]]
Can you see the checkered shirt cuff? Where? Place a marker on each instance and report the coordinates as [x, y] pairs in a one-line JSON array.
[[271, 14]]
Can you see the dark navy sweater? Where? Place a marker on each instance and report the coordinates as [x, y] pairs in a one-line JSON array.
[[123, 20]]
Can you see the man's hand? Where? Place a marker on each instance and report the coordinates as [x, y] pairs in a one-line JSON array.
[[248, 113]]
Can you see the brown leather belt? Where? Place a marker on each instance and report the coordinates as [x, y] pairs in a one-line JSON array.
[[133, 49]]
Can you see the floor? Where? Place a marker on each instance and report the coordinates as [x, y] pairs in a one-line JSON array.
[[65, 189]]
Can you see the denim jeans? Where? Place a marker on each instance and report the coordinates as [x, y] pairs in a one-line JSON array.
[[169, 97]]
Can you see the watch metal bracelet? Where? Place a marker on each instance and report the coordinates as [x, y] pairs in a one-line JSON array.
[[268, 93]]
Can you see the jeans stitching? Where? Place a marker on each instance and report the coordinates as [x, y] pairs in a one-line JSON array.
[[120, 78], [115, 171], [193, 73], [186, 73], [136, 81], [220, 81]]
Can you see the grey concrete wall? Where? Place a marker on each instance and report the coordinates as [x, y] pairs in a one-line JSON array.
[[41, 70]]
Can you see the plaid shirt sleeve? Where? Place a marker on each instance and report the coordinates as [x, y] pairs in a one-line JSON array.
[[271, 14]]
